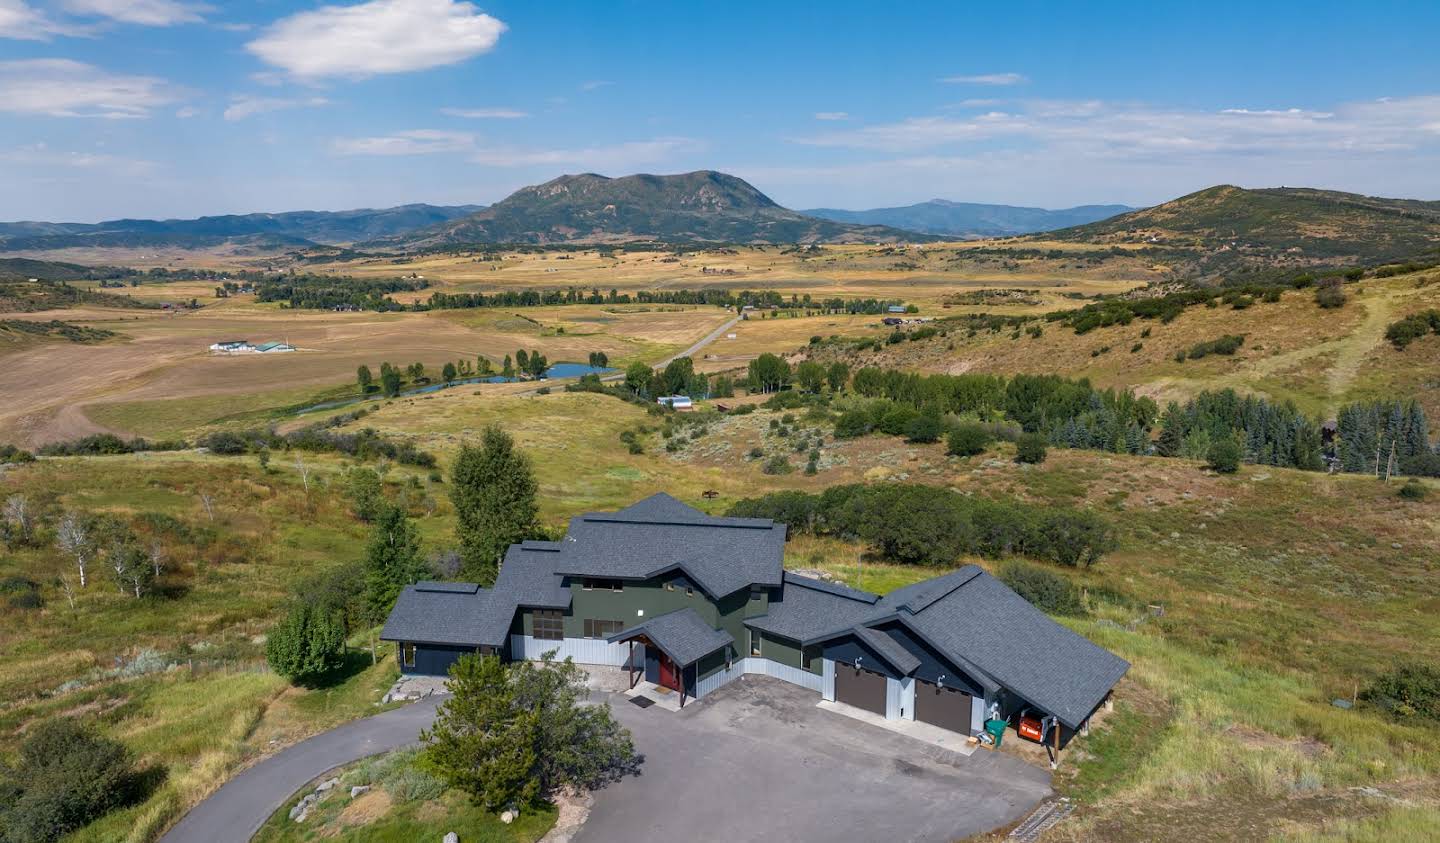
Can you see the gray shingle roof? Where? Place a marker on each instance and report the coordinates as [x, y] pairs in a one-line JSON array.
[[658, 534], [454, 615], [888, 649], [682, 635], [808, 607]]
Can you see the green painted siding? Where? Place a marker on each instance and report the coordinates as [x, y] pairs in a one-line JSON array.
[[787, 652]]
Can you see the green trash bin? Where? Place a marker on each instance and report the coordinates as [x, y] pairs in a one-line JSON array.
[[996, 730]]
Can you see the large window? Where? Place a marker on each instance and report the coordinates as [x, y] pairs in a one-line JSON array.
[[407, 654], [548, 624], [754, 642], [601, 629]]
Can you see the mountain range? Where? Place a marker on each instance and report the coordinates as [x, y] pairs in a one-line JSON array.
[[703, 206], [971, 219], [293, 229]]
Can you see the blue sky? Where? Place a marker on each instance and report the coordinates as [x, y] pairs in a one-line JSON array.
[[174, 108]]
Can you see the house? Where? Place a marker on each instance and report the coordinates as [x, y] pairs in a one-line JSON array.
[[232, 346], [895, 308], [692, 602], [681, 403]]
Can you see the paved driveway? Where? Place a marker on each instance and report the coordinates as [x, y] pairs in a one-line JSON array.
[[757, 760]]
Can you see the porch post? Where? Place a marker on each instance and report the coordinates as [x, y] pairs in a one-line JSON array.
[[682, 685], [630, 667]]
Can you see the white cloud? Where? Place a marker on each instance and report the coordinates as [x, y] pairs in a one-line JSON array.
[[414, 142], [595, 84], [436, 141], [831, 115], [987, 79], [66, 88], [141, 12], [41, 155], [187, 112], [380, 36], [243, 106], [21, 21], [485, 113], [1096, 128]]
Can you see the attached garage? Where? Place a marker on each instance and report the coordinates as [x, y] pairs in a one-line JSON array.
[[861, 688], [948, 708]]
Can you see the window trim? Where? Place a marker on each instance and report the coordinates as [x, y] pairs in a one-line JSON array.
[[551, 620]]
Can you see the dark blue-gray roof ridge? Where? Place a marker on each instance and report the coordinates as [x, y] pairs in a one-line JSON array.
[[835, 588], [682, 635], [447, 587], [441, 617], [888, 649]]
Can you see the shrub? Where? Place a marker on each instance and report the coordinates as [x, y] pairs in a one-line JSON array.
[[777, 465], [1045, 590], [923, 429], [851, 424], [967, 440], [1329, 294], [1408, 691], [1224, 455], [1226, 345], [897, 419], [308, 643], [1030, 448], [1414, 490], [1413, 327], [68, 776]]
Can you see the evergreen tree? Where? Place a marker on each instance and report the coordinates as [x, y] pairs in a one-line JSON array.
[[493, 491], [364, 378], [392, 561]]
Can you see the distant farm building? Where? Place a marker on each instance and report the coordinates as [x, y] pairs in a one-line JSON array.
[[896, 308], [232, 346], [680, 403], [274, 347]]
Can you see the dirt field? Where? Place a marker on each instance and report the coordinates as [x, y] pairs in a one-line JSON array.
[[160, 372]]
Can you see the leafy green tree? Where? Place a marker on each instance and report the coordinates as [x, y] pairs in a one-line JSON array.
[[522, 361], [493, 490], [837, 376], [768, 373], [723, 387], [1224, 455], [366, 493], [392, 561], [1076, 537], [677, 376], [447, 373], [518, 733], [638, 377], [851, 424], [810, 375], [967, 440], [483, 366], [923, 429], [389, 380], [129, 565], [67, 776], [507, 369], [307, 643], [1030, 448], [1408, 692], [416, 371], [364, 379]]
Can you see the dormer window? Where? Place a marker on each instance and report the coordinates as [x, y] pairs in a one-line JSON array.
[[756, 592]]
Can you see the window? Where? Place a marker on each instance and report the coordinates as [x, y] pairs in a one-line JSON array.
[[669, 586], [754, 642], [756, 592], [547, 624], [407, 654], [689, 591], [601, 629], [602, 585], [807, 655]]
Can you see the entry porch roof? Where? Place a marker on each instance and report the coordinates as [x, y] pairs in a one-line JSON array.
[[682, 635]]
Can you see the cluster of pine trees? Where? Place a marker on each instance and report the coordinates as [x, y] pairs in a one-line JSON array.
[[1385, 437], [1269, 433]]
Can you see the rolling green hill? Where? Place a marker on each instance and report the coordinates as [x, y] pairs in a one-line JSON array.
[[703, 206], [1227, 227]]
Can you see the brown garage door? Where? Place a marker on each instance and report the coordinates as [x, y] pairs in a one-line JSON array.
[[860, 688], [943, 707]]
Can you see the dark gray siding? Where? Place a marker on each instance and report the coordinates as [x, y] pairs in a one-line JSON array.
[[932, 665], [434, 659], [847, 649]]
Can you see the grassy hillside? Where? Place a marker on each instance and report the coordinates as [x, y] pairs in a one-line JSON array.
[[970, 219], [1293, 349], [690, 207], [1227, 228]]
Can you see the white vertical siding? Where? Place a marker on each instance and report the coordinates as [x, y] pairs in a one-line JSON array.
[[978, 707], [582, 650], [907, 698], [793, 675], [827, 680], [719, 679], [892, 699]]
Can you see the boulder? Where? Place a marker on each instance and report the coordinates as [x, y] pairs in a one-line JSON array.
[[359, 789], [326, 785], [452, 837], [507, 817]]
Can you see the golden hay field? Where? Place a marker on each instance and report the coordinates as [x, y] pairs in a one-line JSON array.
[[159, 374]]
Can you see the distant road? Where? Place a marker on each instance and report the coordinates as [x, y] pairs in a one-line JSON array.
[[706, 340]]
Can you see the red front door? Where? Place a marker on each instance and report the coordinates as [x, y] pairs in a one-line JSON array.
[[669, 676]]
